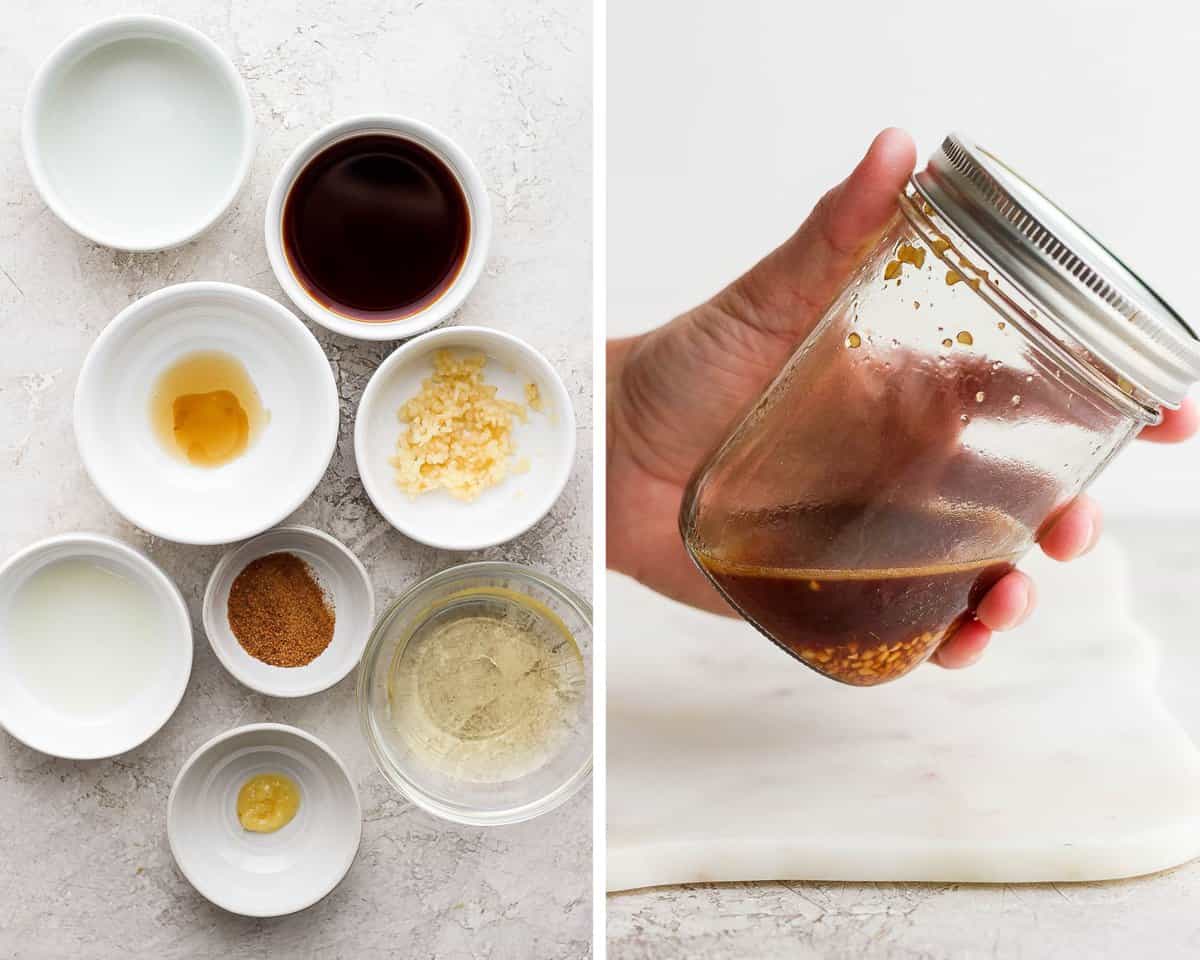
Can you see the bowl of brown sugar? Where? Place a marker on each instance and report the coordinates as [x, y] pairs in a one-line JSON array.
[[289, 612]]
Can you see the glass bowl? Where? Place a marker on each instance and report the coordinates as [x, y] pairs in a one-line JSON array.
[[444, 729]]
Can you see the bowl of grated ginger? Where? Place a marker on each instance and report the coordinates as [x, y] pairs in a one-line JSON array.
[[464, 438]]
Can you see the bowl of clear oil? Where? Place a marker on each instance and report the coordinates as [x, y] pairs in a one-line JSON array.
[[475, 693]]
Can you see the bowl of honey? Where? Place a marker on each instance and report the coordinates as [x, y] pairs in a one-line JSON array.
[[377, 227], [206, 413], [264, 820]]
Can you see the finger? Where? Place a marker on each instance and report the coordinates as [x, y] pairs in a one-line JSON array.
[[862, 204], [1074, 532], [1008, 603], [789, 289], [965, 646], [1176, 426]]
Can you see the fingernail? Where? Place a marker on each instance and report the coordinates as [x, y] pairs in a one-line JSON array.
[[1030, 603], [1095, 528]]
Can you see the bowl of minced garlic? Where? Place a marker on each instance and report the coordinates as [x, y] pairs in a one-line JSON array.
[[458, 434], [464, 438]]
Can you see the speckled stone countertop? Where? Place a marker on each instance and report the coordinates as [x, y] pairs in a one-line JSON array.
[[1145, 917], [85, 870]]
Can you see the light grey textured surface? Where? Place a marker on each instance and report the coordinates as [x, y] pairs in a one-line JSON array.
[[84, 866], [1150, 916]]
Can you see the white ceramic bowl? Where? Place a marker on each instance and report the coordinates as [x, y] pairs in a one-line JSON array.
[[161, 492], [346, 584], [546, 441], [478, 205], [263, 874], [82, 736], [138, 132]]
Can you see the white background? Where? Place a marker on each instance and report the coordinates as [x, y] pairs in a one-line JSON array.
[[728, 120]]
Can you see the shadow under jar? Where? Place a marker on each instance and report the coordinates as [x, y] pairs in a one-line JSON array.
[[986, 361]]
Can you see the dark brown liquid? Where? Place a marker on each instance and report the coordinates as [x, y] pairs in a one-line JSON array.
[[861, 626], [376, 227]]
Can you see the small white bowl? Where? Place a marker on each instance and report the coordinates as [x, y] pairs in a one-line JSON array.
[[159, 491], [138, 132], [46, 727], [263, 874], [479, 209], [344, 581], [546, 441]]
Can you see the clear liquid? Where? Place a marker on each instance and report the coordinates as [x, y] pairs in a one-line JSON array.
[[488, 689], [83, 639]]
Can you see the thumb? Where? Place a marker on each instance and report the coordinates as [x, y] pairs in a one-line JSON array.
[[789, 289]]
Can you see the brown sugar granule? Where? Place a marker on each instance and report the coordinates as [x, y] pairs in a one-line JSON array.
[[278, 611]]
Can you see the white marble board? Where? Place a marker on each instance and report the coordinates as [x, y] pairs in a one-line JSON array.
[[1052, 760]]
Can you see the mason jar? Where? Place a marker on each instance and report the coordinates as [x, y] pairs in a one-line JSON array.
[[985, 362]]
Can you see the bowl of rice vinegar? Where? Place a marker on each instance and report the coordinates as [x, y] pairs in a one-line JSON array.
[[475, 693]]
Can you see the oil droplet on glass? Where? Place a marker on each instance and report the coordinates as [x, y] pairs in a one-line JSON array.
[[979, 397], [965, 419], [997, 365], [916, 304], [1001, 325], [892, 270], [907, 253], [947, 343], [1016, 400], [952, 277], [853, 341], [965, 338]]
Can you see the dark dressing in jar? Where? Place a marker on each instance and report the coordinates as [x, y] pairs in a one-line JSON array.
[[860, 625]]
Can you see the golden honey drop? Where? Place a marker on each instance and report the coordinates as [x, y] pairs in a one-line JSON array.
[[267, 802], [854, 340], [965, 338]]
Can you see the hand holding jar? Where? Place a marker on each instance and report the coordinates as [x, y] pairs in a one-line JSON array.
[[924, 414]]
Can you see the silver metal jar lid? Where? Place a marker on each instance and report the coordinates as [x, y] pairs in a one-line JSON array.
[[1095, 298]]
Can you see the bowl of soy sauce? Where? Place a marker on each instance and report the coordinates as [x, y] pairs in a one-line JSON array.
[[377, 227]]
